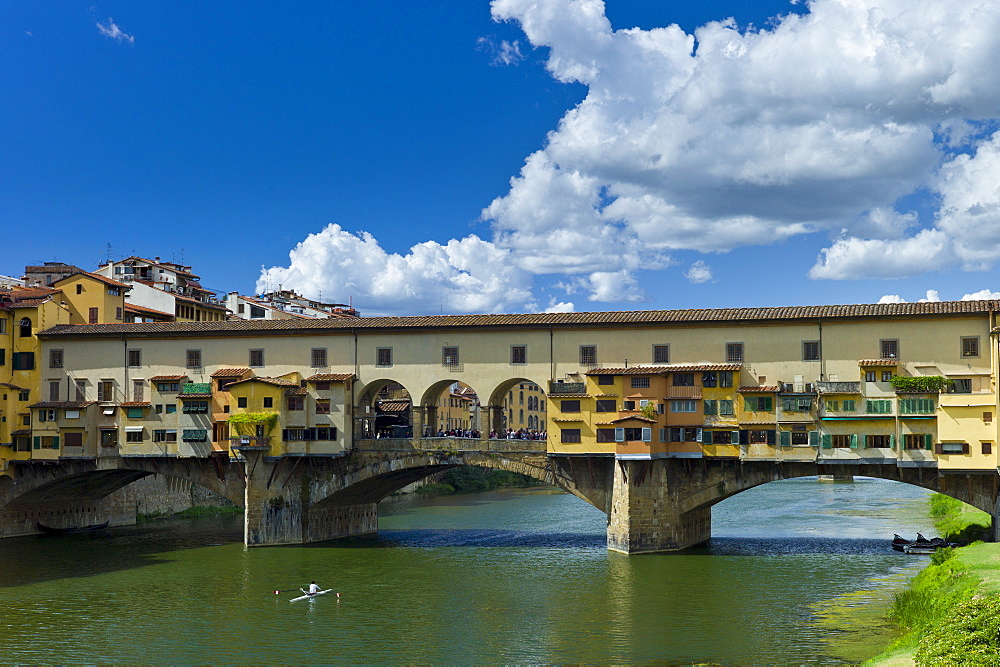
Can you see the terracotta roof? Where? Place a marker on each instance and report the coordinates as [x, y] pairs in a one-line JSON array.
[[12, 386], [544, 320], [230, 372], [296, 391], [330, 377], [21, 431], [27, 303], [31, 292], [160, 378], [134, 404], [199, 396], [72, 405], [627, 418], [393, 406], [878, 362], [632, 370], [95, 276], [203, 304], [556, 394], [133, 308], [759, 389]]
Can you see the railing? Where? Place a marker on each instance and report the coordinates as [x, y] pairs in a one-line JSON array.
[[567, 387], [684, 392], [250, 441], [450, 444], [839, 387]]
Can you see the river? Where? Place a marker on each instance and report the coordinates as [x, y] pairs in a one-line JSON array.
[[503, 577]]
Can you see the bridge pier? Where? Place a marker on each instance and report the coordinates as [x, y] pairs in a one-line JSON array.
[[646, 515]]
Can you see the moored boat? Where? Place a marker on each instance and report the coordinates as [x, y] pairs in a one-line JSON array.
[[50, 530]]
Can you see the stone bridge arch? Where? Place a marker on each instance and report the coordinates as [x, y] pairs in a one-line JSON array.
[[40, 491]]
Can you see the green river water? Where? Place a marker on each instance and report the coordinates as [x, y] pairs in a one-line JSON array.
[[504, 577]]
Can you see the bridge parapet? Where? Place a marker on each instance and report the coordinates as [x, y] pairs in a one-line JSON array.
[[451, 444]]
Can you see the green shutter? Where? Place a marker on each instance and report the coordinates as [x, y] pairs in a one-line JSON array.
[[928, 441], [814, 438], [854, 441], [734, 437], [833, 406], [768, 403], [892, 442], [55, 442], [904, 406], [849, 405], [827, 441], [37, 442], [710, 408], [785, 438]]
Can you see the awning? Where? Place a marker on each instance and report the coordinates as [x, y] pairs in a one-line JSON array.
[[133, 429]]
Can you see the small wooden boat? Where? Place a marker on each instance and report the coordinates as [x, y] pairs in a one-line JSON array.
[[307, 595], [921, 549], [899, 543], [49, 530]]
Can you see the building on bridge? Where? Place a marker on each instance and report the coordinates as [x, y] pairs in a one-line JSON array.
[[896, 390]]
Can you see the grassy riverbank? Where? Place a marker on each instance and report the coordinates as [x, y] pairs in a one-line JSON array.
[[200, 510], [468, 479], [951, 610]]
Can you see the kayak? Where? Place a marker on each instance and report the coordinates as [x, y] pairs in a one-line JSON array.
[[314, 595]]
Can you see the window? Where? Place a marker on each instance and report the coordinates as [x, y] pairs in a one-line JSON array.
[[23, 395], [953, 448], [970, 346], [48, 441], [870, 376], [734, 353], [921, 406], [323, 407], [760, 437], [605, 435], [961, 386], [878, 441], [24, 328], [256, 358], [725, 378], [449, 356], [917, 441], [640, 383], [810, 350], [605, 379], [588, 355], [194, 435], [132, 437], [889, 348], [318, 357], [569, 435], [165, 435], [170, 408], [192, 359], [878, 407], [634, 434], [683, 379], [295, 403], [241, 402], [46, 415], [92, 316], [109, 437], [22, 361], [106, 391], [138, 391], [195, 407], [55, 358], [133, 413], [54, 390], [606, 405], [268, 401], [849, 405], [569, 406], [758, 403], [987, 448], [709, 379], [81, 390], [383, 356], [684, 406], [832, 405], [800, 438], [886, 376], [167, 386], [518, 354], [134, 358], [796, 404], [661, 354], [3, 355], [118, 313]]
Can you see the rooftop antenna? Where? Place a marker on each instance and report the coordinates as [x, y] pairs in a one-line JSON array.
[[182, 256]]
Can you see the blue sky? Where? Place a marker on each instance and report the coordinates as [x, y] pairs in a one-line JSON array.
[[837, 156]]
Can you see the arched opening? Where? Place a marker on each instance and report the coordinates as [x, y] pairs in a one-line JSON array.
[[517, 410], [24, 328], [451, 409], [384, 410]]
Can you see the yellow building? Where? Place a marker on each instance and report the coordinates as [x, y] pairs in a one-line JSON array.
[[93, 298]]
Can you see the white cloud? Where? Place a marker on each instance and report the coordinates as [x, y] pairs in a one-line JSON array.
[[111, 30], [892, 298], [613, 286], [462, 276], [502, 52], [854, 258], [819, 123], [699, 272], [981, 295], [932, 296], [561, 307]]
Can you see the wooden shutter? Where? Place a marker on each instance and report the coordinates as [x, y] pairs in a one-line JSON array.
[[647, 435], [892, 442], [965, 447], [786, 438], [938, 448], [768, 402], [619, 435], [37, 442], [744, 437], [827, 441], [854, 441], [770, 436], [734, 437], [700, 435], [814, 438], [928, 441]]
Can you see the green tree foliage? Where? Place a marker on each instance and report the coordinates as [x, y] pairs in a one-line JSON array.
[[920, 383], [246, 423]]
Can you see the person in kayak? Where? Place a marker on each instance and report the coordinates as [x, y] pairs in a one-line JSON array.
[[313, 589]]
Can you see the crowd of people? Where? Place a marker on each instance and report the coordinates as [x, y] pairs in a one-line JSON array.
[[509, 434]]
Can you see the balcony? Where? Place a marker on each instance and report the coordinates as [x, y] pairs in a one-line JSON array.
[[252, 442], [838, 387], [683, 392]]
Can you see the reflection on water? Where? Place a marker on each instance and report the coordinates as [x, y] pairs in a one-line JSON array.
[[520, 576]]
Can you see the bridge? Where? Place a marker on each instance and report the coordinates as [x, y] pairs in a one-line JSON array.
[[651, 505]]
